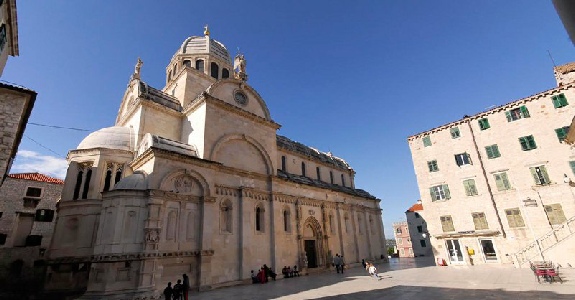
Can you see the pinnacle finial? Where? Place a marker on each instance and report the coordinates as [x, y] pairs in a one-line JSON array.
[[137, 68], [206, 30]]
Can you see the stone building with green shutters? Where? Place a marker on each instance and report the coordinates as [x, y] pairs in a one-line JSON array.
[[498, 186]]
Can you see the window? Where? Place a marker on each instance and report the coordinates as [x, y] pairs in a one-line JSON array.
[[559, 101], [398, 230], [187, 63], [470, 189], [214, 70], [501, 181], [572, 165], [483, 124], [1, 213], [33, 192], [44, 215], [401, 251], [283, 163], [527, 143], [226, 216], [540, 175], [422, 243], [455, 132], [492, 151], [331, 177], [342, 180], [479, 220], [514, 218], [3, 238], [517, 113], [439, 192], [420, 229], [200, 65], [447, 223], [462, 159], [417, 215], [399, 241], [302, 169], [108, 179], [87, 184], [318, 173], [225, 73], [562, 133], [2, 37], [432, 165], [259, 219], [555, 214], [427, 141], [287, 225], [118, 174]]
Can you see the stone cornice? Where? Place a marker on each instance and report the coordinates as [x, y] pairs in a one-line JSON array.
[[209, 99], [95, 151], [317, 161], [117, 257], [500, 108]]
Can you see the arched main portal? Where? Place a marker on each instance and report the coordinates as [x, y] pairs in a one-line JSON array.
[[313, 243]]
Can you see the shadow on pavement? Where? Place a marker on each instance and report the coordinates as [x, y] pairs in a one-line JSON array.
[[418, 292]]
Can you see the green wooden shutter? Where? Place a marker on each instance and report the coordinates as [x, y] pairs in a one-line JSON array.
[[446, 191], [510, 219], [466, 187], [550, 214], [432, 193], [476, 221], [489, 152], [496, 151], [468, 158], [499, 182], [534, 175], [556, 101], [560, 134], [523, 142], [572, 165], [531, 142], [519, 219], [563, 100], [545, 175], [472, 187], [505, 181], [508, 115], [524, 111]]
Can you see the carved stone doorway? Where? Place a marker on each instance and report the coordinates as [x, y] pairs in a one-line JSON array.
[[309, 246]]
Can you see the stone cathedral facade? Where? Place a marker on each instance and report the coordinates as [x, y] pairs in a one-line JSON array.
[[194, 179]]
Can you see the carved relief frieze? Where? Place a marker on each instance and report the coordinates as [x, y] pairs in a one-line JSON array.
[[207, 252], [152, 235]]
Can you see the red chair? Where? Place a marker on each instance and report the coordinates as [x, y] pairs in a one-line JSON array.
[[554, 274], [540, 273]]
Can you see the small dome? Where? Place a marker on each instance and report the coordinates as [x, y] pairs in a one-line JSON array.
[[115, 137], [204, 45], [136, 181]]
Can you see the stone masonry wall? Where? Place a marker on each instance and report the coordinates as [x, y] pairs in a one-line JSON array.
[[11, 110]]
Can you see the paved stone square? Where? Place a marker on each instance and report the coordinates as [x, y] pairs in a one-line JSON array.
[[407, 279]]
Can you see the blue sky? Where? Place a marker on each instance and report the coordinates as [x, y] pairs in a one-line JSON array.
[[352, 77]]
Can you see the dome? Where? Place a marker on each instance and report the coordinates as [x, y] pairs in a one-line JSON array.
[[115, 137], [204, 45], [136, 181]]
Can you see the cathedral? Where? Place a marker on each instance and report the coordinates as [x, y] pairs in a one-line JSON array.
[[193, 178]]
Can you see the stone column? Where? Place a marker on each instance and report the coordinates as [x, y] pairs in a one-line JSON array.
[[206, 251], [367, 231], [272, 208], [354, 228], [339, 230], [326, 259], [240, 233], [301, 253]]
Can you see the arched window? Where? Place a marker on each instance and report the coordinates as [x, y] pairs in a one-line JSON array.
[[214, 70], [78, 185], [87, 183], [174, 70], [303, 169], [346, 220], [200, 65], [225, 73], [108, 179], [331, 176], [118, 174], [283, 163], [342, 180], [226, 217], [187, 63], [287, 225], [171, 227], [259, 219], [331, 224]]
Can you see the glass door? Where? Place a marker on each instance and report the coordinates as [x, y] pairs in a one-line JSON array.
[[454, 251], [488, 250]]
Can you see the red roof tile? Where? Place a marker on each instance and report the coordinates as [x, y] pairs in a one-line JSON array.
[[416, 207], [36, 177]]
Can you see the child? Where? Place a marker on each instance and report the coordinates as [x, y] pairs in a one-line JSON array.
[[373, 272]]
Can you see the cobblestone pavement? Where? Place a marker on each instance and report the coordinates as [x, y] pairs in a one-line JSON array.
[[407, 279]]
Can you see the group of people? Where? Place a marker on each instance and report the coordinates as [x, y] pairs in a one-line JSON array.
[[339, 263], [371, 269], [263, 274], [289, 272], [179, 291]]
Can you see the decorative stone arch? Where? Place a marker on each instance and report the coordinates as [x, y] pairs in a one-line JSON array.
[[314, 243], [242, 137], [170, 183], [245, 86]]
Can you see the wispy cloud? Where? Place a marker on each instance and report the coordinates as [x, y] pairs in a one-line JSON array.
[[30, 161]]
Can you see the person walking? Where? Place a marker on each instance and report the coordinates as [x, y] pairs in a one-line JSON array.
[[373, 272], [337, 262], [185, 286], [177, 290], [168, 291]]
